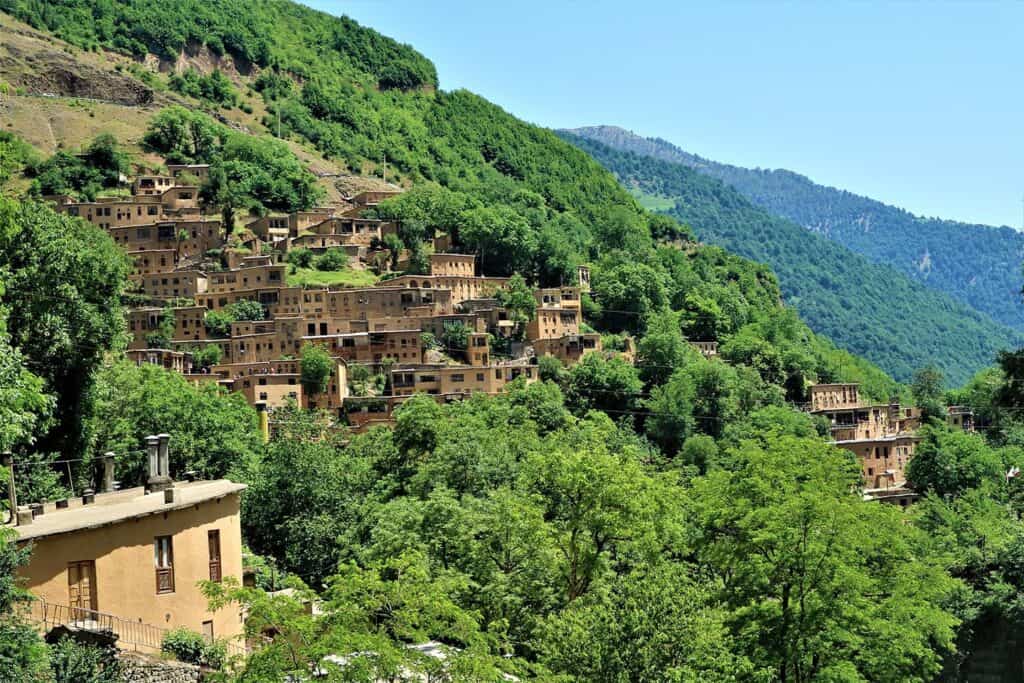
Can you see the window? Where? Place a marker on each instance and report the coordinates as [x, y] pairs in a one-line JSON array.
[[458, 378], [163, 559], [208, 627], [213, 538], [479, 377]]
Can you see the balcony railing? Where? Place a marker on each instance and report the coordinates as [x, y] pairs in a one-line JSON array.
[[131, 635]]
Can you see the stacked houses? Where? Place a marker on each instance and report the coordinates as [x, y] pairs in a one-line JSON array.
[[398, 328]]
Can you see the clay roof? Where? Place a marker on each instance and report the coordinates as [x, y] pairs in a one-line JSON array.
[[120, 506]]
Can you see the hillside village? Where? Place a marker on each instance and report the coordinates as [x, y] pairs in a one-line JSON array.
[[313, 370]]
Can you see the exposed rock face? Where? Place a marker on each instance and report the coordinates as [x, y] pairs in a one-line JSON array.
[[45, 70]]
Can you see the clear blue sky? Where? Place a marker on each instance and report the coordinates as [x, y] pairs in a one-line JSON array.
[[917, 104]]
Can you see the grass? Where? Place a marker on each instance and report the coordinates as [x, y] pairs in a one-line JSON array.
[[653, 202], [308, 277]]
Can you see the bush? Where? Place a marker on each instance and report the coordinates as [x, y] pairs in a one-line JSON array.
[[300, 258], [184, 645], [190, 647], [332, 259], [74, 662], [316, 367]]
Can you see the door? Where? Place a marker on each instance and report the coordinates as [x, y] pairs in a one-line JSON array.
[[81, 589]]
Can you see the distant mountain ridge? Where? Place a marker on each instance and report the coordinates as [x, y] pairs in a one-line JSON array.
[[979, 265], [868, 308]]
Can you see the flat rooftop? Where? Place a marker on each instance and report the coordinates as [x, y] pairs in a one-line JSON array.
[[119, 506]]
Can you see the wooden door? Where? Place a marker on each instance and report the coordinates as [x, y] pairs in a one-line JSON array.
[[82, 588]]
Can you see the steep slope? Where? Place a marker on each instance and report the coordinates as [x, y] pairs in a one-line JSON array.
[[978, 265], [870, 309], [345, 99]]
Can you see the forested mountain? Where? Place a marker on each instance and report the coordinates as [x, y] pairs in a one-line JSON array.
[[871, 309], [979, 265]]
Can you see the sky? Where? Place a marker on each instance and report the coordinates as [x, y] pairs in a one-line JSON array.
[[916, 104]]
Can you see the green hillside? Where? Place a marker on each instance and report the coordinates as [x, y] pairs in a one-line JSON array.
[[870, 309], [979, 265]]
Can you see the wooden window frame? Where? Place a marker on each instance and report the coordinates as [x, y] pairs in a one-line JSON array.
[[164, 565], [216, 558]]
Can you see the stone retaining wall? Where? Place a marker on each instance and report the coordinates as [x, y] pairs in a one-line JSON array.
[[136, 668]]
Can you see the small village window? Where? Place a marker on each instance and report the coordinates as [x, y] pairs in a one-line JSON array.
[[163, 559], [213, 538]]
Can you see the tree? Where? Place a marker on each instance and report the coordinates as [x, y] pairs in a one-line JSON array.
[[317, 367], [928, 391], [596, 383], [819, 585], [948, 462], [654, 624], [23, 654], [671, 419], [331, 260], [63, 288], [518, 299], [502, 239], [662, 349], [393, 243], [213, 431], [300, 257], [183, 136]]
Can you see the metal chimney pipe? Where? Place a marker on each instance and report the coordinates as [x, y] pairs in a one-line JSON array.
[[164, 469], [108, 472], [152, 451]]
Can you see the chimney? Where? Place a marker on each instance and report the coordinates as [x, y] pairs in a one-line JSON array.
[[108, 472], [264, 420], [159, 470]]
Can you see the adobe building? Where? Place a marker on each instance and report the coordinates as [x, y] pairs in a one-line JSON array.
[[882, 436], [569, 348], [136, 555]]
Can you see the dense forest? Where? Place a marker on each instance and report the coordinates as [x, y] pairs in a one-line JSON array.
[[978, 265], [870, 309], [678, 518]]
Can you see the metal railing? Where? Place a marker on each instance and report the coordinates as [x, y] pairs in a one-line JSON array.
[[131, 635]]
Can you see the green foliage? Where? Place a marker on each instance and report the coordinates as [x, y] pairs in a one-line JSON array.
[[190, 647], [258, 32], [839, 293], [454, 336], [206, 356], [518, 298], [15, 156], [101, 165], [300, 257], [840, 590], [63, 283], [212, 431], [214, 88], [597, 383], [23, 655], [245, 172], [331, 260], [218, 323], [74, 662], [317, 366], [948, 462]]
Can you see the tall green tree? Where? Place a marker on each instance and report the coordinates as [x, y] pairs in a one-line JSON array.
[[64, 280]]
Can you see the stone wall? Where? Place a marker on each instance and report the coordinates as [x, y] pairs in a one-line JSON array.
[[137, 668]]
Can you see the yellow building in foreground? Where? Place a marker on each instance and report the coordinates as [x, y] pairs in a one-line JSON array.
[[137, 557]]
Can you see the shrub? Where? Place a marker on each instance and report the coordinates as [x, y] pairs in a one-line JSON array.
[[301, 257], [184, 645], [332, 259]]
